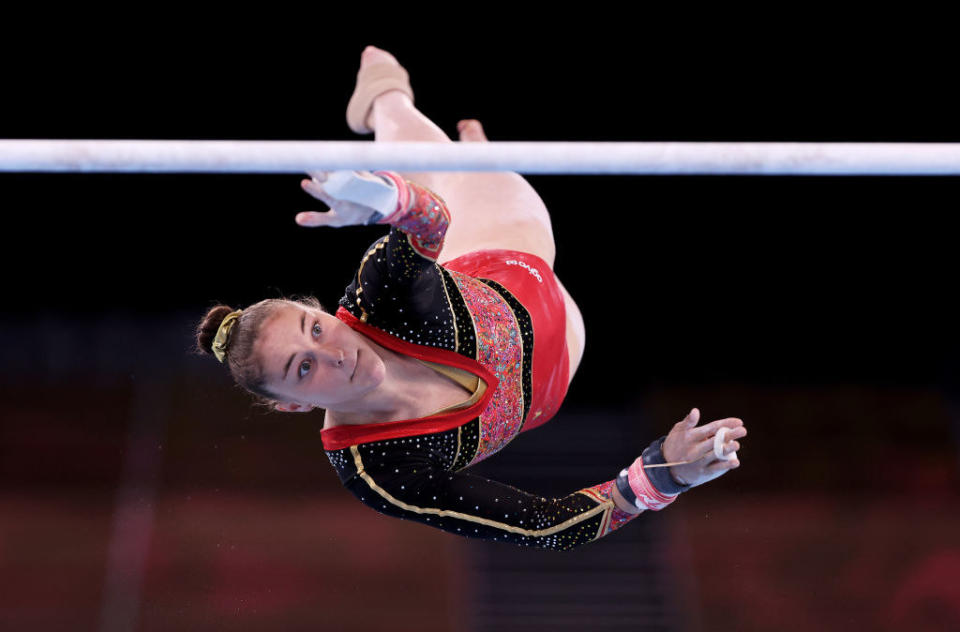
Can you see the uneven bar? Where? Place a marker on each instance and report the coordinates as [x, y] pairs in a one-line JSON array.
[[585, 158]]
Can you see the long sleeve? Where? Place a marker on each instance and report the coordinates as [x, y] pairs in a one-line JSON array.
[[399, 271], [414, 488], [422, 217]]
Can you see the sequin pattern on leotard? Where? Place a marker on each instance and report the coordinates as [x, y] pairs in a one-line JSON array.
[[500, 349]]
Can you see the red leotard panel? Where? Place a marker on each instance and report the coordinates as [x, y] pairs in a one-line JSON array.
[[530, 279]]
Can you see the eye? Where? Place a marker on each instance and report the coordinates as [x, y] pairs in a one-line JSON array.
[[316, 329], [304, 368]]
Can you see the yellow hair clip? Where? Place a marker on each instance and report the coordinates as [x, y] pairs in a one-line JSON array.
[[223, 334]]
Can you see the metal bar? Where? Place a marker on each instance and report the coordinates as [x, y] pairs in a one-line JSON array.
[[604, 158]]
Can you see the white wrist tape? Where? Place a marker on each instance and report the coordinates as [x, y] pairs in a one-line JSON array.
[[364, 188], [718, 446]]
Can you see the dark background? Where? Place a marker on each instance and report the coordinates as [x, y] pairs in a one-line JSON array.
[[818, 309]]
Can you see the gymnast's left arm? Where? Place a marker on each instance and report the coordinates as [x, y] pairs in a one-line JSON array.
[[414, 487]]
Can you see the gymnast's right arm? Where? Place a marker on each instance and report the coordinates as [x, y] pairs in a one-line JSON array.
[[416, 215], [399, 271]]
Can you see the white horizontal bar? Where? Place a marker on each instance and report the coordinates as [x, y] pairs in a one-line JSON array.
[[176, 156]]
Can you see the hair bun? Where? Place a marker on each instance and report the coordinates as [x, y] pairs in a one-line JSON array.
[[207, 330]]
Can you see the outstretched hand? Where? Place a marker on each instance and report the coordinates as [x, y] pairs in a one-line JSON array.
[[343, 212], [687, 442]]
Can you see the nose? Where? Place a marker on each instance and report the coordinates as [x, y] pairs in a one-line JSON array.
[[333, 355]]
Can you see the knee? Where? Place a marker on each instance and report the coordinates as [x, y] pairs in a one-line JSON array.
[[576, 331], [576, 326]]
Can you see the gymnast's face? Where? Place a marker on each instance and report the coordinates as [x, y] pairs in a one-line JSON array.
[[311, 358]]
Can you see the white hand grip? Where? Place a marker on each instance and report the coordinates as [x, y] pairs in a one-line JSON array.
[[364, 188]]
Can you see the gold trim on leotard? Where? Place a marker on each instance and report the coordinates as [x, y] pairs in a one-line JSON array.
[[358, 462], [379, 246], [459, 445], [453, 316]]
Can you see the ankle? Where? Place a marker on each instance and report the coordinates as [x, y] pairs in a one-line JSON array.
[[392, 99], [386, 105]]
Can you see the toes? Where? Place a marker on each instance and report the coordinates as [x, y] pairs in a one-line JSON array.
[[372, 54], [471, 131]]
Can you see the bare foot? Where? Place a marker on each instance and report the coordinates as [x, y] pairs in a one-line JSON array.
[[471, 131], [374, 55]]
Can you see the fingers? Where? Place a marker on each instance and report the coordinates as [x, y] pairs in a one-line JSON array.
[[312, 218], [695, 446], [737, 433], [701, 450], [731, 446], [725, 451], [719, 467], [314, 188], [724, 438], [690, 420], [703, 447], [711, 428]]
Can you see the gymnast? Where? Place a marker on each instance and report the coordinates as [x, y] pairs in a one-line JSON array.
[[453, 337]]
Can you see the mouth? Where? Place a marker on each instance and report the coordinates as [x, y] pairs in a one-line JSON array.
[[355, 365]]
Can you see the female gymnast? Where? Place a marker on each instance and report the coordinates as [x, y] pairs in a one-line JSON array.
[[453, 337]]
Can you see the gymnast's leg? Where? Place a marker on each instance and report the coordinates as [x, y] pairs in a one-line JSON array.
[[488, 210]]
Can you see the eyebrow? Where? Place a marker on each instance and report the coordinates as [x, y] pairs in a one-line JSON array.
[[286, 367]]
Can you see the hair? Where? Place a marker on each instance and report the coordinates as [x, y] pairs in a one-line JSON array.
[[245, 367]]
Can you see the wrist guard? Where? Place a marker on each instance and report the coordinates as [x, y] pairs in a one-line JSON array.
[[651, 489], [660, 476]]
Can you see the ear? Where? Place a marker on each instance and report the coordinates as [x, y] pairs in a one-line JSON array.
[[293, 408]]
